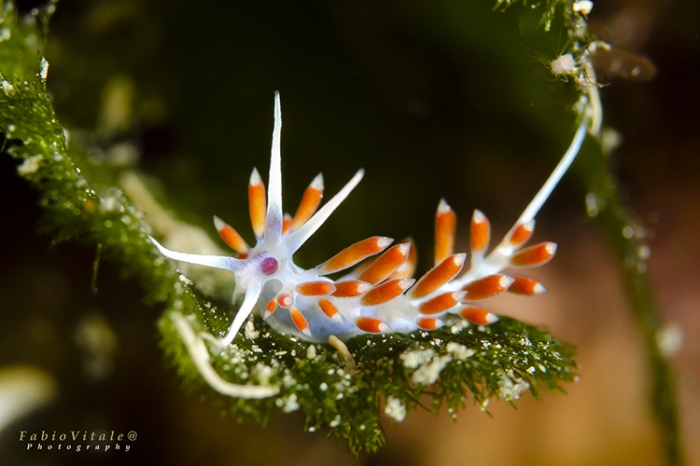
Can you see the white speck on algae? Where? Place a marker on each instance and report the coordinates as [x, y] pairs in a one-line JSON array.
[[30, 165], [395, 409]]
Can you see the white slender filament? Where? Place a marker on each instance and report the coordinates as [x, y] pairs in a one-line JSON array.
[[273, 222], [207, 260], [247, 307], [563, 165], [200, 356], [297, 238]]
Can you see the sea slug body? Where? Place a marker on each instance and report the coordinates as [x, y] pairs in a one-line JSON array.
[[380, 294]]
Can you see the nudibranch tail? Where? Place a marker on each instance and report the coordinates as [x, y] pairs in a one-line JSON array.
[[380, 295]]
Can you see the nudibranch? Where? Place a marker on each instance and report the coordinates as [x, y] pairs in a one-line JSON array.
[[380, 294]]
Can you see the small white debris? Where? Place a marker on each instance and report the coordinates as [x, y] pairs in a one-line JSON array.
[[5, 34], [312, 429], [511, 389], [120, 155], [643, 252], [563, 65], [530, 370], [429, 373], [395, 409], [323, 386], [335, 422], [185, 280], [288, 404], [263, 373], [428, 366], [459, 326], [461, 352], [251, 333], [7, 88], [30, 165], [256, 349], [592, 208], [670, 339], [485, 405], [288, 380], [311, 352], [344, 353], [525, 341], [109, 203], [611, 140], [413, 359], [582, 6], [44, 68]]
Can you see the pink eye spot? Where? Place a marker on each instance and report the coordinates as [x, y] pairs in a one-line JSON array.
[[269, 265]]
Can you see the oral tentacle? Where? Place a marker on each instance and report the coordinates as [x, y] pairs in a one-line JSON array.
[[217, 262], [274, 219], [251, 298]]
